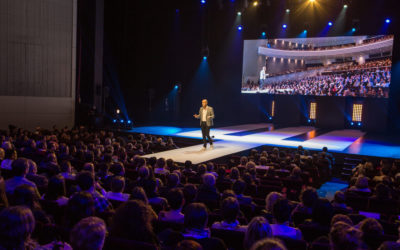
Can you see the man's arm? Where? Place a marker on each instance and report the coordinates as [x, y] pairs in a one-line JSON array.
[[212, 116], [198, 115]]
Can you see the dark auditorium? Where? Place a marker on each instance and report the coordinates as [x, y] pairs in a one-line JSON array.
[[199, 125]]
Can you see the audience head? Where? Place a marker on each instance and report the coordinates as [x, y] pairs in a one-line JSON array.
[[20, 167], [196, 216], [132, 220], [16, 227], [239, 186], [362, 182], [85, 180], [88, 234], [371, 226], [209, 180], [117, 184], [230, 209], [138, 193], [322, 212], [235, 174], [257, 229], [175, 198], [25, 195], [339, 197], [281, 211], [308, 197], [271, 199], [269, 244], [80, 205], [55, 188], [189, 245], [173, 180], [342, 218], [342, 236]]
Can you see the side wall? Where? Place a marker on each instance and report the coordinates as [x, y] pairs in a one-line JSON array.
[[37, 62]]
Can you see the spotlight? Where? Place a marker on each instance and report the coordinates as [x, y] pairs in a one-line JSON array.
[[239, 13], [115, 120], [204, 58], [239, 27], [309, 120], [387, 20], [345, 6], [203, 1], [255, 3], [330, 23], [351, 123], [353, 29], [304, 31], [263, 33], [359, 124], [311, 1], [287, 10], [284, 26], [176, 87], [117, 111], [122, 121], [129, 122]]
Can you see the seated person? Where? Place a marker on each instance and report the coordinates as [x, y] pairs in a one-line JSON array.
[[196, 217], [238, 187], [361, 185], [281, 212], [156, 201], [258, 229], [230, 211], [176, 201], [117, 189], [339, 203], [56, 190], [207, 192], [20, 168]]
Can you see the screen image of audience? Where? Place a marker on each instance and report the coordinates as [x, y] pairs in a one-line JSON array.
[[371, 79], [76, 189]]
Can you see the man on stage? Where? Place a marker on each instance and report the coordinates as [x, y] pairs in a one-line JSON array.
[[206, 116]]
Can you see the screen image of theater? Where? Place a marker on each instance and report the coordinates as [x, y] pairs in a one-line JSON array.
[[358, 66]]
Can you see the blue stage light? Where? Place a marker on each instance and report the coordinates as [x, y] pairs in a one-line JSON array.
[[176, 87], [284, 26], [330, 23], [203, 1], [359, 124], [239, 13], [353, 29], [309, 120], [204, 57], [129, 122], [387, 20], [263, 33], [239, 27], [270, 118], [304, 31], [122, 121], [115, 120], [351, 123]]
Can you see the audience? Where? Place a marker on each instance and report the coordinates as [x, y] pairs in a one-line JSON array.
[[281, 227], [258, 229], [230, 211], [94, 231], [176, 201], [70, 176]]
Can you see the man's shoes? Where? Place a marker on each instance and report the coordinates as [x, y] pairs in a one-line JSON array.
[[203, 148], [211, 146]]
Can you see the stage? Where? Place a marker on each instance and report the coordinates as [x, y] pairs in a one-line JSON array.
[[234, 139]]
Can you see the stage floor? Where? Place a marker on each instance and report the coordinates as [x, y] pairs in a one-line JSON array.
[[234, 139]]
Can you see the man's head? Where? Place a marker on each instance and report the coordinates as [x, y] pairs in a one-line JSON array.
[[204, 103]]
